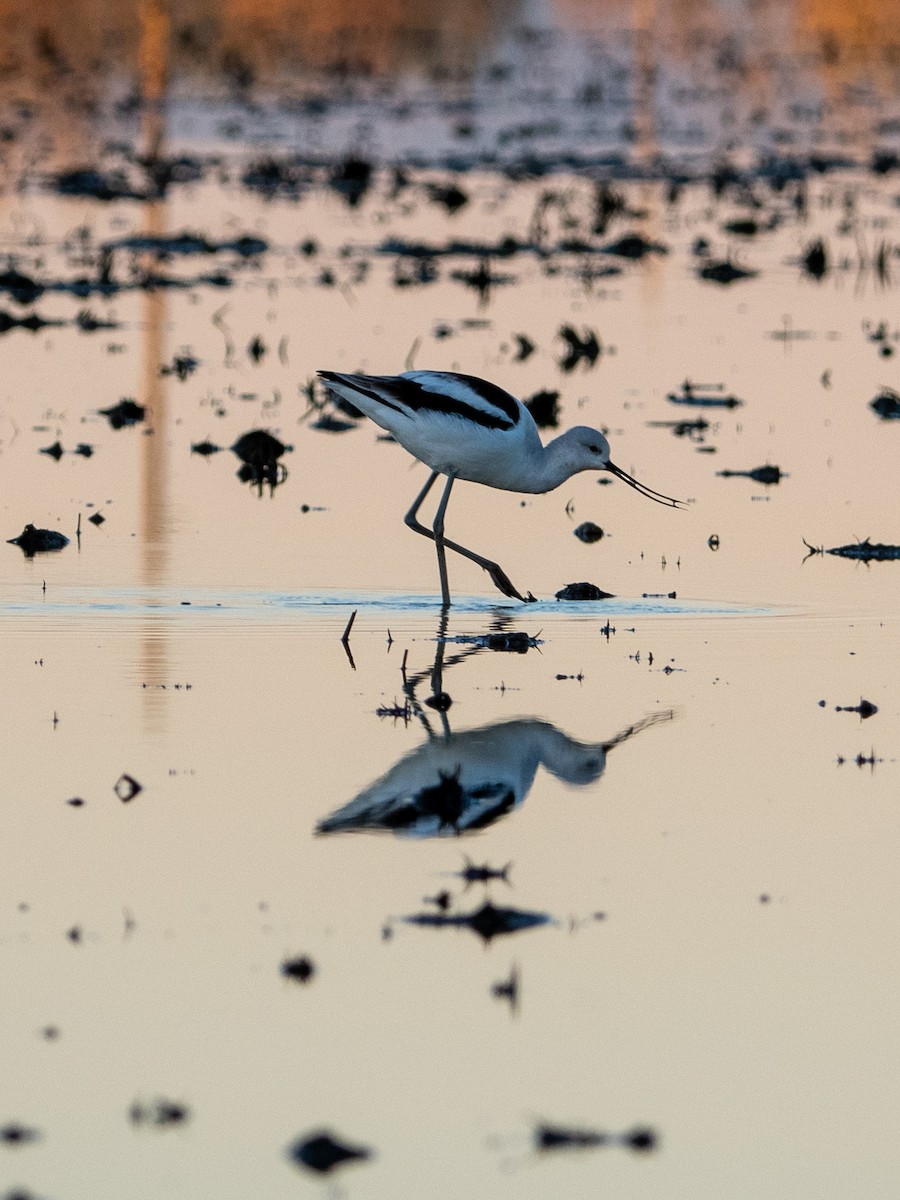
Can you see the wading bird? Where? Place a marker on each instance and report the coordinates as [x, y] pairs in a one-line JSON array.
[[467, 428]]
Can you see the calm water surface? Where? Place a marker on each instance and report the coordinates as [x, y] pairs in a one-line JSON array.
[[712, 843]]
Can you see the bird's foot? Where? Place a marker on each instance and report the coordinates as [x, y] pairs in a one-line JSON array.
[[503, 583]]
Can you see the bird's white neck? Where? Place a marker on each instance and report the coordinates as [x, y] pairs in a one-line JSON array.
[[556, 462]]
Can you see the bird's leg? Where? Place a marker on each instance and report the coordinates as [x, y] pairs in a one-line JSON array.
[[438, 530], [410, 518], [497, 574]]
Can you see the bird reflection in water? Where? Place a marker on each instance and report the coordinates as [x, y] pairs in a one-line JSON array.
[[456, 783]]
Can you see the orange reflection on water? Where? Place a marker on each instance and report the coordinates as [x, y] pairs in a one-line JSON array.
[[154, 506], [49, 38]]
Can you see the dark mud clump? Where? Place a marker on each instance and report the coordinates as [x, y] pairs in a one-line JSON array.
[[300, 968], [22, 288], [588, 532], [725, 272], [887, 404], [351, 179], [815, 259], [583, 591], [634, 246], [322, 1153], [126, 412], [259, 452]]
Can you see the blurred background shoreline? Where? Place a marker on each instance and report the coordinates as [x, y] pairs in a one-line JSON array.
[[523, 82]]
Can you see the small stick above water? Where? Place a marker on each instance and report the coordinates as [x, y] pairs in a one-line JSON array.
[[345, 638]]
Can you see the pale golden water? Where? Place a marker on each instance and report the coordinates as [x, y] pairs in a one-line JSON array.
[[666, 761]]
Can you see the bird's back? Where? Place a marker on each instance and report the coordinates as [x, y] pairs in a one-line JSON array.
[[456, 424]]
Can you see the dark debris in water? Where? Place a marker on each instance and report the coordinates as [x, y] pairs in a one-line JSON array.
[[488, 921], [159, 1113], [588, 532], [449, 195], [472, 872], [14, 1133], [22, 288], [328, 423], [767, 474], [481, 279], [815, 259], [508, 989], [33, 322], [33, 541], [258, 447], [187, 244], [865, 708], [580, 347], [634, 246], [321, 1152], [704, 395], [724, 271], [127, 412], [505, 247], [127, 787], [694, 430], [515, 641], [183, 365], [270, 176], [525, 347], [864, 551], [583, 591], [561, 1137], [887, 404], [351, 179], [544, 408], [87, 322], [260, 452], [300, 968], [882, 337], [97, 185]]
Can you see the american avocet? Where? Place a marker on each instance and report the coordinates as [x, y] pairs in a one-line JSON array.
[[466, 428], [464, 782]]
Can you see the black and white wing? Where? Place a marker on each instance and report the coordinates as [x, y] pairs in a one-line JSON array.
[[438, 392]]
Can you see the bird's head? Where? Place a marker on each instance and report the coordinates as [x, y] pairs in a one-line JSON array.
[[593, 451]]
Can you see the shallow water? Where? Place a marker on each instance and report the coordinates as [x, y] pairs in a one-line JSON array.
[[667, 771]]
